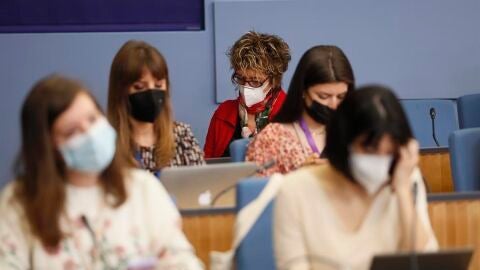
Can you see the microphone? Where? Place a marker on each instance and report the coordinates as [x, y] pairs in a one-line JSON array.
[[413, 230], [265, 166], [433, 114]]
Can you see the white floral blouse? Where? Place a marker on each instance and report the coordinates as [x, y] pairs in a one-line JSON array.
[[143, 233]]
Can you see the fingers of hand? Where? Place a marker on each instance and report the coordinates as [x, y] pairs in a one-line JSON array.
[[409, 153], [413, 148]]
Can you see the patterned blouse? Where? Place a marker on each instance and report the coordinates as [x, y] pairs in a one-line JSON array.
[[282, 143], [144, 230], [187, 150]]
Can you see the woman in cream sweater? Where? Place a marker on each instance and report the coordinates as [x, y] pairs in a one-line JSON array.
[[361, 203]]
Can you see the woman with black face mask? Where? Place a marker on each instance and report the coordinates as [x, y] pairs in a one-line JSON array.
[[322, 79], [139, 108]]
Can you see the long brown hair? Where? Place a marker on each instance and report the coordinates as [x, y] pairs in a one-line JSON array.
[[40, 169], [127, 67]]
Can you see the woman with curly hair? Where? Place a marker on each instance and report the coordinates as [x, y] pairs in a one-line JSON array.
[[258, 62]]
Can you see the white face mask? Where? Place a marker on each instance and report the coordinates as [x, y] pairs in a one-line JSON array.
[[252, 95], [370, 170]]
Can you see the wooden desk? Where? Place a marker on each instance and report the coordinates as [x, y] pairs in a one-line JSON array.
[[209, 230], [454, 222], [435, 167], [455, 219]]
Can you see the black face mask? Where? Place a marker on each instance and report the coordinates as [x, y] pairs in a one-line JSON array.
[[319, 112], [145, 106]]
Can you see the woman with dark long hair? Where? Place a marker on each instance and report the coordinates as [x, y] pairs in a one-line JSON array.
[[322, 79], [340, 214], [74, 203]]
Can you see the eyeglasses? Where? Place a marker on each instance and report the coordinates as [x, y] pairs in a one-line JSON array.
[[240, 80]]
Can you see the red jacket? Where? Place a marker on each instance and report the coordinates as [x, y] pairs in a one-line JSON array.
[[223, 122]]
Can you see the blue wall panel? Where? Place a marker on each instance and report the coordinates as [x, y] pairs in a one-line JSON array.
[[423, 49], [24, 58]]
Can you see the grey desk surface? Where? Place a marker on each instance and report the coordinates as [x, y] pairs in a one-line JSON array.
[[432, 197]]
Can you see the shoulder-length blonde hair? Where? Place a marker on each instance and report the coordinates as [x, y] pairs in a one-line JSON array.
[[41, 171], [127, 67]]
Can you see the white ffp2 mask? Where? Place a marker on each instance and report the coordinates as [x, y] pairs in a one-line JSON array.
[[252, 95], [370, 170]]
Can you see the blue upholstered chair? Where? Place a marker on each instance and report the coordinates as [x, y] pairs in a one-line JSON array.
[[238, 150], [256, 250], [465, 159], [469, 111], [419, 115]]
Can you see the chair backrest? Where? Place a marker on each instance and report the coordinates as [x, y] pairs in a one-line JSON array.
[[465, 159], [238, 149], [469, 111], [419, 115], [256, 249]]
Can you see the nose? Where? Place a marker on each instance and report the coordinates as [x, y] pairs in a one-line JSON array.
[[151, 85], [333, 103], [85, 126]]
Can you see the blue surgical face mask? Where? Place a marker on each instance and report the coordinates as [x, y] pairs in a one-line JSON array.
[[91, 151]]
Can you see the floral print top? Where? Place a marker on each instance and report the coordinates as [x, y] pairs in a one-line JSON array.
[[144, 231], [187, 150], [280, 143]]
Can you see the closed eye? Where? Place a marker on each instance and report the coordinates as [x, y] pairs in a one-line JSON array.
[[138, 86], [69, 133]]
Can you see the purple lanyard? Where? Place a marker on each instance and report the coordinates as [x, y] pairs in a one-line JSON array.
[[309, 136]]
